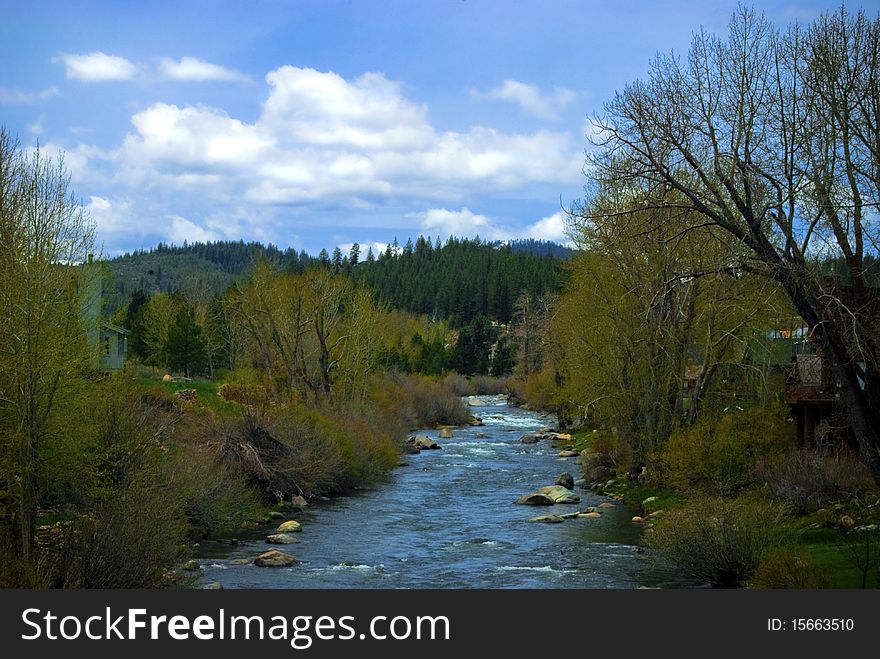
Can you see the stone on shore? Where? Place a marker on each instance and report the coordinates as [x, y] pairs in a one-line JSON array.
[[568, 454], [565, 480], [275, 558], [192, 565]]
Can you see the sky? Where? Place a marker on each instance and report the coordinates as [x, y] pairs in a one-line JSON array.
[[315, 124]]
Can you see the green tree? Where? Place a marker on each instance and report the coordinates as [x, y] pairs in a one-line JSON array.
[[185, 347], [47, 302]]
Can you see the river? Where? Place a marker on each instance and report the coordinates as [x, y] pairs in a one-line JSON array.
[[447, 520]]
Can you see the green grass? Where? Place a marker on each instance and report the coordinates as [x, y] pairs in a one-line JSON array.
[[206, 391]]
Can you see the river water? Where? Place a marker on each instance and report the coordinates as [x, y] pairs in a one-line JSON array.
[[447, 520]]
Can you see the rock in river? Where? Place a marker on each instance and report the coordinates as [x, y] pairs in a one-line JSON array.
[[275, 558], [559, 494], [548, 519], [445, 433], [535, 499], [422, 442], [568, 454], [290, 526], [529, 439], [282, 539]]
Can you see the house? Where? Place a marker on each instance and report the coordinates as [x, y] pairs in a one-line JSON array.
[[109, 341], [114, 346]]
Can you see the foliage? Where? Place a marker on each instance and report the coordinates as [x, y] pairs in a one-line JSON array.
[[807, 479], [726, 454], [718, 541], [785, 567], [48, 304], [767, 139]]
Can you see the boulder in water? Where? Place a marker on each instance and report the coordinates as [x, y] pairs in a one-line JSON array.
[[290, 526], [282, 539], [565, 480], [529, 439], [559, 494], [568, 454], [445, 433], [548, 519], [535, 499], [422, 442], [275, 558]]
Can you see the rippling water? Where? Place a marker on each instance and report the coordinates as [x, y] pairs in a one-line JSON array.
[[447, 520]]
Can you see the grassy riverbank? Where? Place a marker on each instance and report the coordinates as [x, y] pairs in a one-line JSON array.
[[804, 519]]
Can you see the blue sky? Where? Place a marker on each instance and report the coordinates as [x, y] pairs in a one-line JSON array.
[[315, 124]]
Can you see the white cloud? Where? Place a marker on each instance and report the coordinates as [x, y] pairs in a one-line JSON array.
[[97, 67], [531, 99], [549, 228], [109, 216], [183, 229], [22, 97], [461, 223], [320, 141], [190, 69]]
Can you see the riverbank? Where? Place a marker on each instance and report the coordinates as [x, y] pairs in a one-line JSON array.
[[826, 539], [447, 520]]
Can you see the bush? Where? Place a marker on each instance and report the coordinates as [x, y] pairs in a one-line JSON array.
[[416, 401], [718, 541], [608, 456], [539, 391], [727, 454], [788, 568], [808, 479]]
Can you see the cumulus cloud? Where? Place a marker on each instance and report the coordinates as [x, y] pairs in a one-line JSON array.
[[182, 229], [548, 228], [24, 97], [190, 69], [320, 141], [322, 137], [463, 223], [97, 67], [531, 99]]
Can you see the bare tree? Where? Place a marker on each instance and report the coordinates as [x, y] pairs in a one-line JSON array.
[[773, 140]]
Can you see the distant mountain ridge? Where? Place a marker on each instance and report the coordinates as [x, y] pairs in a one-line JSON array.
[[462, 277]]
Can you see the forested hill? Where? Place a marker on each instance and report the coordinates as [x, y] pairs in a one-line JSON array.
[[209, 267], [461, 279]]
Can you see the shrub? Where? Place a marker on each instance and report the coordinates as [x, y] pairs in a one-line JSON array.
[[718, 541], [787, 568], [608, 456], [808, 479], [416, 401], [539, 391], [727, 454]]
